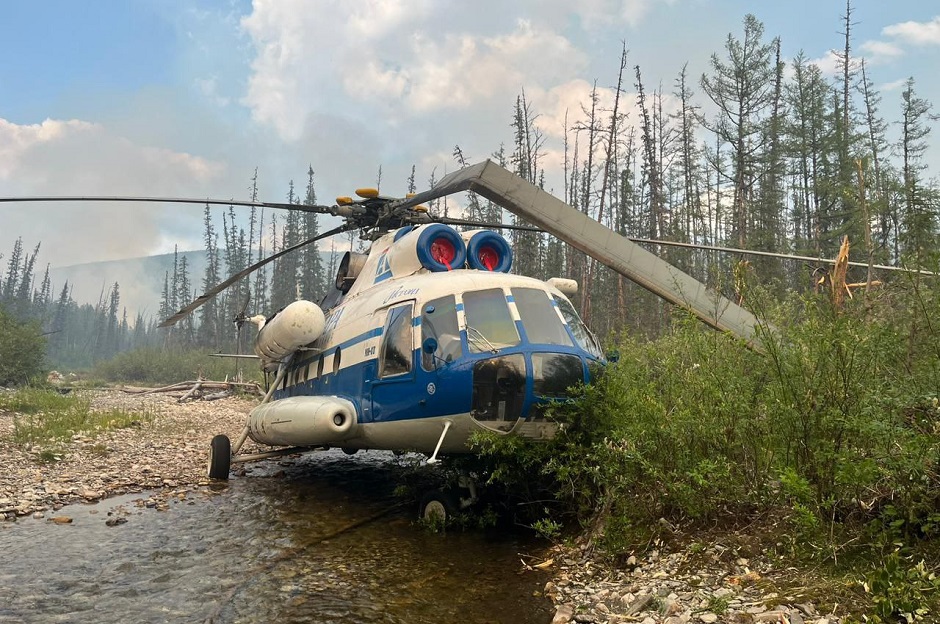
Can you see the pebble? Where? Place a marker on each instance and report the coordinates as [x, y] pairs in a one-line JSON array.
[[563, 614]]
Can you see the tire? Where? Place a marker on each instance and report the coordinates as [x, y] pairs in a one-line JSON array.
[[220, 457], [438, 507]]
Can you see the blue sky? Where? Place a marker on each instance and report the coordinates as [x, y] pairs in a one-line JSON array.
[[187, 97]]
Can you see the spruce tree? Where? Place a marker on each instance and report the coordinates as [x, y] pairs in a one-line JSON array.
[[313, 279]]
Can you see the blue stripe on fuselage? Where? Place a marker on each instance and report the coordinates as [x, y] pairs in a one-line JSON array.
[[407, 396]]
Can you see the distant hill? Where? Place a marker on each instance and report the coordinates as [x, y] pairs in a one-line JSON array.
[[140, 279]]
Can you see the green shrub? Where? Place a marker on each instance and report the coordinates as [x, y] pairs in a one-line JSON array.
[[22, 348], [836, 423], [899, 588]]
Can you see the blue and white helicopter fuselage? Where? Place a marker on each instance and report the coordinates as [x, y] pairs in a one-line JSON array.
[[432, 340]]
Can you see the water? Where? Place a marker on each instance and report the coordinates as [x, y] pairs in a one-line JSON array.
[[254, 552]]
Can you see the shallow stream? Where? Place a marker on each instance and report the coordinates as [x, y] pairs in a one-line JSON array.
[[254, 552]]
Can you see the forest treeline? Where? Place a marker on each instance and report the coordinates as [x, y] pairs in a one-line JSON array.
[[756, 153]]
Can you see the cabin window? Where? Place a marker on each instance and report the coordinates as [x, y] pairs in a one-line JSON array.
[[582, 334], [320, 367], [439, 321], [489, 323], [397, 342], [554, 373], [337, 358], [542, 324]]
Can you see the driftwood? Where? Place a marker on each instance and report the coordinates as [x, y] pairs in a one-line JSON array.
[[199, 389]]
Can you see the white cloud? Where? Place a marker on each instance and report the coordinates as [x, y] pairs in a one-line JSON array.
[[370, 19], [75, 157], [16, 140], [828, 64], [568, 100], [894, 85], [877, 52], [600, 12], [459, 71], [78, 156], [392, 59], [917, 33]]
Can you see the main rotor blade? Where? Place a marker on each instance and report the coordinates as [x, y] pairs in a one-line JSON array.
[[494, 226], [702, 246], [172, 200], [601, 243], [212, 292], [773, 254]]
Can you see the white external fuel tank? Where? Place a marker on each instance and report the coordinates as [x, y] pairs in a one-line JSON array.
[[303, 421], [298, 324]]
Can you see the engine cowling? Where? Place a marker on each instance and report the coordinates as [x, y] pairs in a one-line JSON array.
[[487, 251], [435, 247], [298, 324]]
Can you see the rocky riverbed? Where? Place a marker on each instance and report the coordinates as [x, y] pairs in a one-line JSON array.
[[166, 452], [694, 584]]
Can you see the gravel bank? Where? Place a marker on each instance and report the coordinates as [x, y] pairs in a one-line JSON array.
[[168, 452], [698, 584]]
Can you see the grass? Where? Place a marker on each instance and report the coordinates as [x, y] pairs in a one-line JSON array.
[[46, 418]]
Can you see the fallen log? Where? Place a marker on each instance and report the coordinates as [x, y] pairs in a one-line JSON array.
[[191, 388], [191, 392]]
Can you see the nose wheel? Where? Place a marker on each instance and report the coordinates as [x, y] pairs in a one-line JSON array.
[[439, 506], [220, 457]]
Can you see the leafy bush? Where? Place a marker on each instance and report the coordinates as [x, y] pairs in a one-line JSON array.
[[22, 349], [166, 366], [899, 588]]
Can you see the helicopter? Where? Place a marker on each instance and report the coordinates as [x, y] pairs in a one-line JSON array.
[[428, 337]]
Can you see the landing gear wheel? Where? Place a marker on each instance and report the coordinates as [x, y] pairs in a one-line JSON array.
[[438, 507], [220, 457]]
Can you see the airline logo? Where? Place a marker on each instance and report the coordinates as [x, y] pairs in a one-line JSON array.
[[383, 269]]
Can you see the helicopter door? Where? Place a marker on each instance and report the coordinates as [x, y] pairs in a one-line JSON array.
[[392, 390]]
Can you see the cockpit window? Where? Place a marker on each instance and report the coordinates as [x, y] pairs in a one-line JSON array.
[[554, 373], [439, 321], [541, 322], [581, 333], [489, 324], [396, 342]]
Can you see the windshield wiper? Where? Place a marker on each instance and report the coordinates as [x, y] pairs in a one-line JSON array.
[[478, 335]]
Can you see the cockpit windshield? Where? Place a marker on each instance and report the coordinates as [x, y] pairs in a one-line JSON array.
[[489, 324], [541, 322], [581, 333]]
